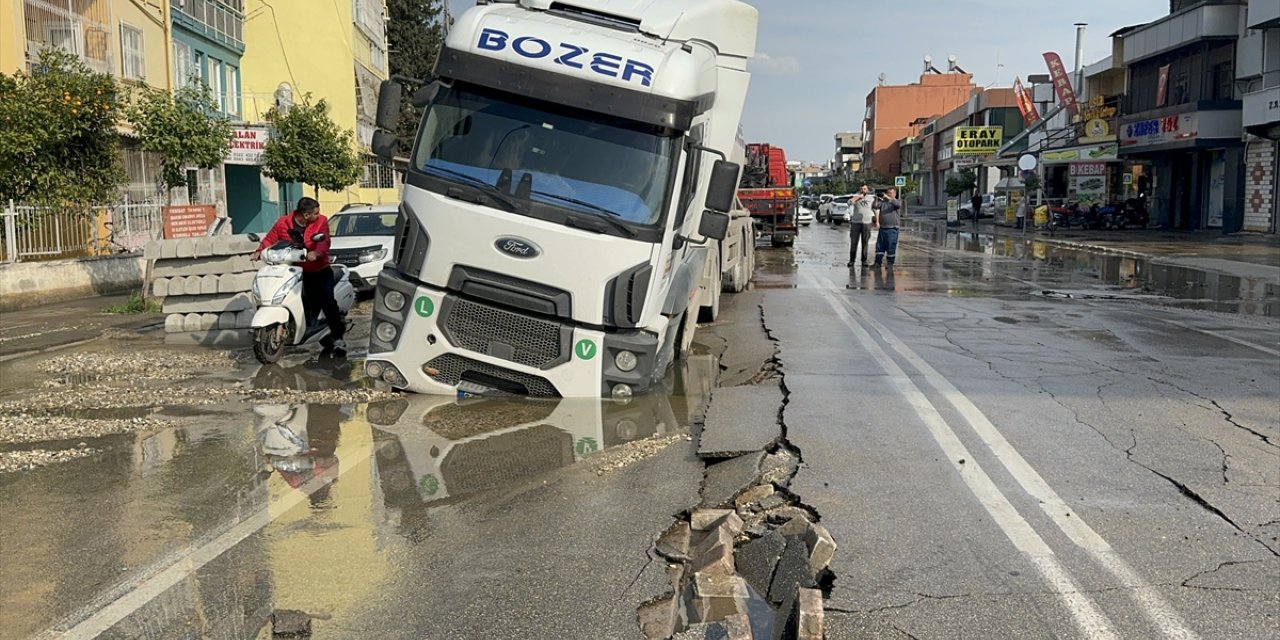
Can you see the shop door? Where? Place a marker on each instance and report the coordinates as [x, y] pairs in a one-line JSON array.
[[1217, 192], [1183, 187]]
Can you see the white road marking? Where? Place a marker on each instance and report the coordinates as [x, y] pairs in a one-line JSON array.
[[192, 560], [1091, 622], [1153, 605]]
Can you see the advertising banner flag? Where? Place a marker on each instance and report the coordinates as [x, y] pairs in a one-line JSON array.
[[1061, 82], [1162, 91], [1030, 116]]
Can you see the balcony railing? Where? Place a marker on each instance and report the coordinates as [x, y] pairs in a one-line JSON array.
[[220, 21], [80, 27]]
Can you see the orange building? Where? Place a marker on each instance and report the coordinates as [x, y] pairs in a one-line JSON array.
[[896, 112]]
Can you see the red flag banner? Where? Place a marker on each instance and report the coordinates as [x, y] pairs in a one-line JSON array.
[[1026, 105], [1061, 82], [1162, 92]]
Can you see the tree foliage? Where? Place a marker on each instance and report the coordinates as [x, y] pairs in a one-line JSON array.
[[58, 139], [307, 146], [958, 184], [182, 129], [415, 32], [1031, 183]]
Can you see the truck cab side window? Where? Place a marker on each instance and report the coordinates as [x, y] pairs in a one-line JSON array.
[[689, 181]]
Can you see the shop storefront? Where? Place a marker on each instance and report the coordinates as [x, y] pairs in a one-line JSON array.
[[1087, 174], [1193, 163]]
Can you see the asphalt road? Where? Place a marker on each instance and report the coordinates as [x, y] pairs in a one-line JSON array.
[[997, 463], [1006, 439]]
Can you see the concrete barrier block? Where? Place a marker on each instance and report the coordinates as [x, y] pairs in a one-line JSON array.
[[168, 249], [225, 338], [226, 283], [227, 320], [208, 321], [203, 246], [216, 303], [191, 286], [244, 281], [186, 248], [160, 287], [173, 322], [209, 284], [153, 250], [242, 244], [241, 263], [191, 322], [244, 319]]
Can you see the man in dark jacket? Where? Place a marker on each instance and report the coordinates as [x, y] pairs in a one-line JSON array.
[[976, 203], [297, 228]]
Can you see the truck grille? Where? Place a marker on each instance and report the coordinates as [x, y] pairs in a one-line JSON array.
[[502, 334], [452, 368], [506, 459]]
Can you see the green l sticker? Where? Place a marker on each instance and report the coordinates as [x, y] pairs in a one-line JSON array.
[[424, 306], [585, 349]]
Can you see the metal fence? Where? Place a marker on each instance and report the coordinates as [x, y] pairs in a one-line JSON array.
[[46, 233]]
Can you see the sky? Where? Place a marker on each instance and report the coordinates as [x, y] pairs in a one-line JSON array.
[[816, 60]]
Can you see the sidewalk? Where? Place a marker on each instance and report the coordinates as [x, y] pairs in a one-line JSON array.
[[30, 331]]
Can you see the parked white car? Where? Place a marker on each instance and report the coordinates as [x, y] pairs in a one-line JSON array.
[[804, 216], [837, 211], [363, 240]]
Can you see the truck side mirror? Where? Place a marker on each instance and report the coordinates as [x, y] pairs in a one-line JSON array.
[[385, 144], [714, 225], [389, 97], [723, 187], [425, 94]]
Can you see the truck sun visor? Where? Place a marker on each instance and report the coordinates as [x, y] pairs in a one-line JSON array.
[[549, 86]]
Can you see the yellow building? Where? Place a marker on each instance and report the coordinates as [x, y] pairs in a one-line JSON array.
[[332, 51], [128, 39]]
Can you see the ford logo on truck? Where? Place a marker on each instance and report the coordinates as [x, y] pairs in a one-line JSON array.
[[517, 248], [569, 55]]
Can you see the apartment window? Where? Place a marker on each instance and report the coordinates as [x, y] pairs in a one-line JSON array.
[[1223, 76], [233, 91], [68, 36], [378, 56], [215, 84], [133, 63], [184, 66]]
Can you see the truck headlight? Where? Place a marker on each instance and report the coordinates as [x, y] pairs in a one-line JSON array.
[[372, 256], [626, 361], [394, 300], [386, 332]]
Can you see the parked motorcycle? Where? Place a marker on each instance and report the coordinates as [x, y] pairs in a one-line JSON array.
[[1065, 215], [281, 319]]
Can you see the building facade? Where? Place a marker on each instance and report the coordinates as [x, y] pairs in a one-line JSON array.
[[294, 52], [1258, 75], [848, 156], [895, 112], [1182, 115]]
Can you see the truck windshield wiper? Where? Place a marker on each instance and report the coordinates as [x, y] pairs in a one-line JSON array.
[[577, 222], [581, 203], [589, 224], [490, 190]]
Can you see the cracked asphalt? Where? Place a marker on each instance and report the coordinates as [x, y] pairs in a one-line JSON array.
[[993, 462]]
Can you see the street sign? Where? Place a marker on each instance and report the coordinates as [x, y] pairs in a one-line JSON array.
[[1128, 179], [900, 181], [808, 183], [1026, 162]]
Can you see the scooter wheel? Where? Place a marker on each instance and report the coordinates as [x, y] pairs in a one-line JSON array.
[[268, 344]]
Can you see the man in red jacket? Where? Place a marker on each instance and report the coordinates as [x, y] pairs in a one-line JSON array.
[[297, 228]]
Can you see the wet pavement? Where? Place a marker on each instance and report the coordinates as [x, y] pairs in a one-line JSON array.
[[1007, 437]]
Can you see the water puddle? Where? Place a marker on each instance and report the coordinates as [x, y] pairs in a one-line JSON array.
[[1071, 273]]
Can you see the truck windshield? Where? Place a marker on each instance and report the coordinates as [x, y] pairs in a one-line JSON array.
[[574, 160]]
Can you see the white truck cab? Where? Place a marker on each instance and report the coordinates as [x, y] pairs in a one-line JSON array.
[[563, 197]]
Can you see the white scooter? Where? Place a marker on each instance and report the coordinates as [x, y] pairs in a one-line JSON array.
[[277, 289]]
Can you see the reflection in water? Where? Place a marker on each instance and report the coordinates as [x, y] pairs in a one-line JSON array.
[[433, 450], [1056, 265], [300, 443]]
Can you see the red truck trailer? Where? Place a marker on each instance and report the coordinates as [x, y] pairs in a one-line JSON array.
[[766, 191]]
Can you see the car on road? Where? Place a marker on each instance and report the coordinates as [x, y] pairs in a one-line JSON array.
[[804, 215], [364, 239], [990, 204], [837, 211]]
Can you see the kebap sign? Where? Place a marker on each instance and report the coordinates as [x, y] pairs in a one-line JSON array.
[[978, 141]]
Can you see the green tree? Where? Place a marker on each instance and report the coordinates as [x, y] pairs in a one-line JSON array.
[[182, 129], [58, 133], [964, 181], [307, 146], [415, 32], [1031, 184]]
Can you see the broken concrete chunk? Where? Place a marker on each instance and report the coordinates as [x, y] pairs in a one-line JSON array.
[[674, 544], [714, 553], [785, 513], [658, 618], [741, 420], [753, 495], [792, 571], [726, 480], [772, 501], [779, 467], [797, 526], [707, 519], [822, 547], [756, 560], [735, 627], [711, 598], [289, 623], [800, 617]]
